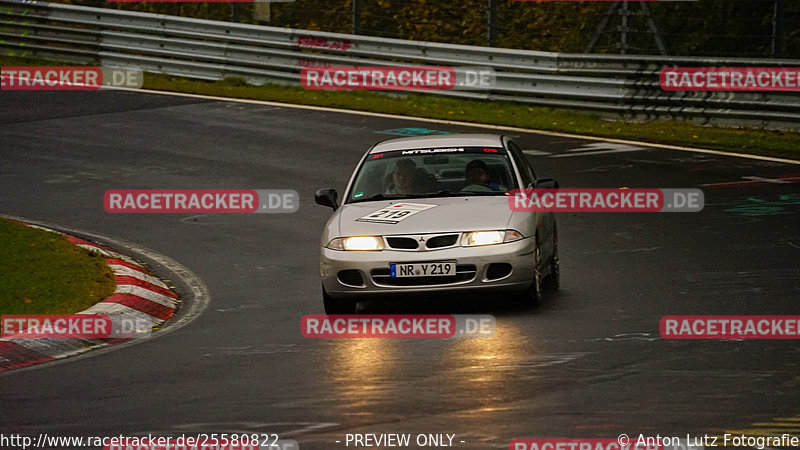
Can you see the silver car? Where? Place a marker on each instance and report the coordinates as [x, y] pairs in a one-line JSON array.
[[431, 214]]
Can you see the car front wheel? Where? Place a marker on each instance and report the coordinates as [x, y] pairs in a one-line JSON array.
[[533, 295]]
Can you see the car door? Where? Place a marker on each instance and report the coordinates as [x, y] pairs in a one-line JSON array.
[[547, 219]]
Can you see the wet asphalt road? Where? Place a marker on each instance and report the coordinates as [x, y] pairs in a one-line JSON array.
[[588, 362]]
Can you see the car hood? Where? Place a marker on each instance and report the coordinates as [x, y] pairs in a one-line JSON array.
[[448, 214]]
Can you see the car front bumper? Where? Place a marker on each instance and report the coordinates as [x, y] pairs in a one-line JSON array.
[[479, 268]]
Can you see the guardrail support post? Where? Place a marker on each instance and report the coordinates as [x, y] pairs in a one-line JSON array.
[[492, 24], [356, 16], [623, 30], [778, 19], [234, 12]]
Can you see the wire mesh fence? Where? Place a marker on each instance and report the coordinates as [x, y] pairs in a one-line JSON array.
[[728, 28]]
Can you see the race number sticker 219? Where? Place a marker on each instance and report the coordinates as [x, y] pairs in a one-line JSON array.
[[395, 213]]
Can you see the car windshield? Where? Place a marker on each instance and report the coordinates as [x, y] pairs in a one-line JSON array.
[[434, 172]]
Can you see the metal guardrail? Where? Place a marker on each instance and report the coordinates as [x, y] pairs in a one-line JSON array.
[[617, 85]]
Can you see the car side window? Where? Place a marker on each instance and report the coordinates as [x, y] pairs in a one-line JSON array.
[[525, 169]]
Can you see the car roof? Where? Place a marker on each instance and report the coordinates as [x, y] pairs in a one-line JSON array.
[[442, 140]]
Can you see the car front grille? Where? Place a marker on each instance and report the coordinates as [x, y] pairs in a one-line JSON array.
[[464, 273], [442, 241], [402, 243], [422, 242]]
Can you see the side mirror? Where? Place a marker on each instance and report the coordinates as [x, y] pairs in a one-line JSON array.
[[545, 183], [327, 197]]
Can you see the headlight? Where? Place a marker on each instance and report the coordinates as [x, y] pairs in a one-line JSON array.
[[476, 238], [357, 243]]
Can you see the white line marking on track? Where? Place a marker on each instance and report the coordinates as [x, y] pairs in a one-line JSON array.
[[598, 148], [536, 152], [767, 180], [604, 146], [601, 152], [752, 179], [466, 124], [55, 347]]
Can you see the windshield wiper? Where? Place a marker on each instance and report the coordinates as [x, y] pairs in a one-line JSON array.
[[483, 193], [442, 194], [382, 197], [463, 193]]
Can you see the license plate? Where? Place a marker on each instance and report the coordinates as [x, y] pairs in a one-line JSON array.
[[432, 269]]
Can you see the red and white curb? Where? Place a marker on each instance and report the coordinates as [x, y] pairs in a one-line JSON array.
[[139, 295]]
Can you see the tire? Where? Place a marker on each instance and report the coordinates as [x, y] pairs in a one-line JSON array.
[[533, 295], [337, 306], [554, 280]]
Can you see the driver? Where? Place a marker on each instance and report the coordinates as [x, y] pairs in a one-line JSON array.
[[477, 172], [478, 176]]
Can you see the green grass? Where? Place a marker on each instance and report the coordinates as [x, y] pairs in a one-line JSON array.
[[783, 144], [744, 140], [43, 273]]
